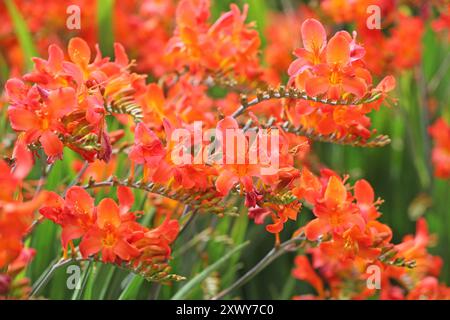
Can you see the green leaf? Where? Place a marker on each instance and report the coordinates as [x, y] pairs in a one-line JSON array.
[[131, 291], [238, 235], [77, 294], [105, 26], [106, 282], [89, 288], [22, 32], [186, 289]]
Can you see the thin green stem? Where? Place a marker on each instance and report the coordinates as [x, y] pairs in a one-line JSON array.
[[271, 256]]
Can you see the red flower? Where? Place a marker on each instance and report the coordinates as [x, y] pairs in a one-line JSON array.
[[109, 229], [334, 212], [304, 271], [38, 113], [155, 245], [147, 149], [75, 213], [337, 76], [111, 234], [16, 215], [332, 68], [237, 171], [313, 52]]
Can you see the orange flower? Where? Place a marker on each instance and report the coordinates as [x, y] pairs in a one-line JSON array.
[[308, 186], [353, 243], [313, 52], [304, 271], [231, 174], [38, 113], [147, 149], [109, 229], [111, 234], [155, 245], [332, 68], [337, 76], [16, 215], [281, 217], [75, 213], [334, 212], [228, 45], [420, 282]]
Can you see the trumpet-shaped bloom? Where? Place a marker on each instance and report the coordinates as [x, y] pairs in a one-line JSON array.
[[335, 212], [110, 234], [147, 149]]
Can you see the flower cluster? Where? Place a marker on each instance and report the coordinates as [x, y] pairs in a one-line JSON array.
[[334, 70], [16, 217], [228, 45], [212, 129], [333, 276], [385, 50], [135, 22], [109, 229], [64, 103], [12, 286]]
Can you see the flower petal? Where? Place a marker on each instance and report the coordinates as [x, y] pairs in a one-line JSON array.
[[108, 213], [313, 35], [225, 181], [53, 147], [55, 57], [70, 232], [120, 55], [125, 250], [276, 227], [354, 85], [61, 101], [24, 160], [79, 52], [364, 192], [387, 84], [335, 194], [126, 198], [316, 228], [23, 119], [316, 86], [91, 243], [79, 200], [338, 50]]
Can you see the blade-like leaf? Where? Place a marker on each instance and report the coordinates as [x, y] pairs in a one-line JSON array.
[[186, 289], [22, 32], [105, 26]]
